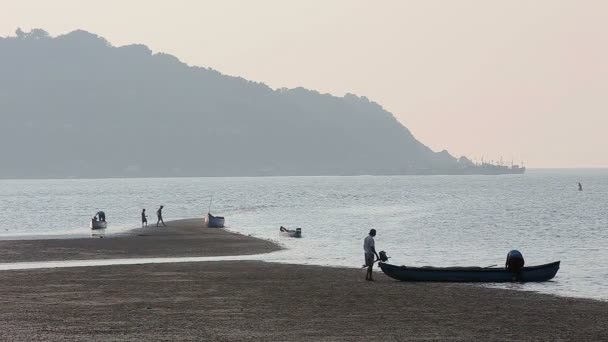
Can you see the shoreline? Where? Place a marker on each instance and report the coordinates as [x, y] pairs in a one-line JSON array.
[[249, 300], [189, 233]]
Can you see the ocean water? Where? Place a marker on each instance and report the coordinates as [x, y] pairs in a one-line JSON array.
[[421, 220]]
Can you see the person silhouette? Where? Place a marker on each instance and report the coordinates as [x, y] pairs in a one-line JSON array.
[[580, 186], [159, 215], [144, 218]]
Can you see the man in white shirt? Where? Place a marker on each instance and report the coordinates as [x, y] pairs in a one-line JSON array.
[[369, 247]]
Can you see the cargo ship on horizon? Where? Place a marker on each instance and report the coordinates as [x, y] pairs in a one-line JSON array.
[[496, 169], [490, 168]]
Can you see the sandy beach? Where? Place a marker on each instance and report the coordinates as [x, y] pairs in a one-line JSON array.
[[181, 238], [258, 301]]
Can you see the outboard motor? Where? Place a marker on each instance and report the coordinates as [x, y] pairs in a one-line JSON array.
[[383, 256]]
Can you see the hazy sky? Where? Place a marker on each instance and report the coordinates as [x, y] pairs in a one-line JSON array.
[[525, 80]]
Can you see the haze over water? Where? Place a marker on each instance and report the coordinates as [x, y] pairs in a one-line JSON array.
[[421, 220]]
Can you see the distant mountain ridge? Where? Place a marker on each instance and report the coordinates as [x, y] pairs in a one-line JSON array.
[[76, 106]]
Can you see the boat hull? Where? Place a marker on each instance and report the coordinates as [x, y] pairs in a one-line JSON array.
[[292, 234], [99, 224], [215, 221], [297, 233], [470, 274]]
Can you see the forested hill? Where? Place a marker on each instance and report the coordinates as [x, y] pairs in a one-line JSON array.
[[76, 106]]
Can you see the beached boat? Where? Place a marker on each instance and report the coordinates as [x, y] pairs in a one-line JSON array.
[[295, 233], [215, 221], [470, 274]]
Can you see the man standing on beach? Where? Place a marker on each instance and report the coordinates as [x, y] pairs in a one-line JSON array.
[[369, 247], [144, 218], [159, 214]]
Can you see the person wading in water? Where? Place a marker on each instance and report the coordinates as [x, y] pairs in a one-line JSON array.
[[369, 247]]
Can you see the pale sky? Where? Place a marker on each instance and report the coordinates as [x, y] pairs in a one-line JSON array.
[[519, 79]]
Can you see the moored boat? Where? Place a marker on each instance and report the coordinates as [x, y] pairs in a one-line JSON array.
[[215, 221], [99, 221], [295, 233], [471, 274], [98, 224]]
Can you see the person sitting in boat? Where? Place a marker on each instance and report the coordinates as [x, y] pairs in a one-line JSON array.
[[515, 262]]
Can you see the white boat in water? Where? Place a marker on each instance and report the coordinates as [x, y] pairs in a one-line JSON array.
[[99, 221], [294, 233]]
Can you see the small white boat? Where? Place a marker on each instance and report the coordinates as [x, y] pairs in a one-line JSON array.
[[294, 233], [99, 221], [215, 221]]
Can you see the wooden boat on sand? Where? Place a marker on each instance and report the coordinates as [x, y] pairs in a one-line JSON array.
[[471, 274], [215, 221], [294, 233]]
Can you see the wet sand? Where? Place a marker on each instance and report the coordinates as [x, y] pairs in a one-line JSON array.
[[181, 238], [257, 301]]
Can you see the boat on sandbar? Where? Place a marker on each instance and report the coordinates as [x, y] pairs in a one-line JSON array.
[[294, 233], [471, 274], [99, 221], [215, 221]]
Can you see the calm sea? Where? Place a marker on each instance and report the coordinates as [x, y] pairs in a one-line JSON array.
[[421, 220]]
